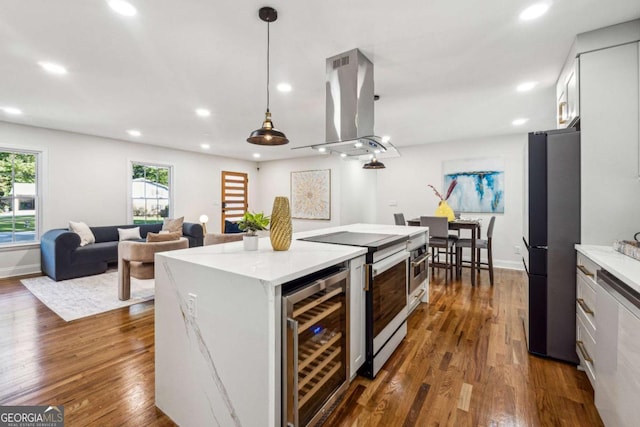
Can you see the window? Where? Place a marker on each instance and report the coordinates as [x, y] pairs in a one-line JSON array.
[[150, 193], [18, 196]]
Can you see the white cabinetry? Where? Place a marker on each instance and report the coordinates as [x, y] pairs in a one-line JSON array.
[[608, 330], [618, 355], [568, 94], [609, 117], [586, 315], [357, 314]]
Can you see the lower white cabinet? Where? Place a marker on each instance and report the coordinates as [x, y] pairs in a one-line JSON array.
[[608, 332], [617, 387]]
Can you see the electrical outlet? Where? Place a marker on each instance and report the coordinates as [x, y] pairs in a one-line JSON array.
[[516, 249], [191, 305]]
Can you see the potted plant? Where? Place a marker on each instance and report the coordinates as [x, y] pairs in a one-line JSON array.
[[251, 223]]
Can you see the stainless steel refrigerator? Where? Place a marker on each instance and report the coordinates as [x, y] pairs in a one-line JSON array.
[[551, 229]]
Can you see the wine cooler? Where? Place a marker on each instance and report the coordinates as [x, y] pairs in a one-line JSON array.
[[315, 346]]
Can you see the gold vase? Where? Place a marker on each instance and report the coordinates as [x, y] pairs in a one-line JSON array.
[[281, 228]]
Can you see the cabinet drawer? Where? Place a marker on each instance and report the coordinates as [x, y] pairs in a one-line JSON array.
[[587, 269], [586, 303], [586, 349]]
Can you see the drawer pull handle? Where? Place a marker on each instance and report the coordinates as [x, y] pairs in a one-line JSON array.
[[584, 306], [583, 350], [417, 297], [585, 271]]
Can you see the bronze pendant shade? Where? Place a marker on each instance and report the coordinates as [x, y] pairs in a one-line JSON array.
[[267, 134], [374, 164]]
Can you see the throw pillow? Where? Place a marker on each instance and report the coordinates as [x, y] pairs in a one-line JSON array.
[[231, 227], [173, 225], [82, 230], [129, 233], [162, 237]]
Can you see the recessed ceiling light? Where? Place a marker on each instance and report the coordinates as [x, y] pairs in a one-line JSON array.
[[52, 68], [122, 7], [518, 122], [343, 154], [12, 111], [284, 87], [526, 86], [358, 144], [256, 155], [205, 146], [322, 149], [534, 11], [203, 112], [134, 132], [386, 139]]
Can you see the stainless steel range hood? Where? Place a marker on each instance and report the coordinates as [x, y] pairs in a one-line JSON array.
[[350, 109]]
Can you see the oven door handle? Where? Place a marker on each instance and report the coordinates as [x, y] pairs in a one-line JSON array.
[[420, 261], [382, 266]]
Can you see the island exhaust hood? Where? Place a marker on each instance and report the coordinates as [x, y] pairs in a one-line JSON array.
[[350, 110]]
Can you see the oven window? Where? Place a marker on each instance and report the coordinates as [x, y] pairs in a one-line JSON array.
[[389, 295]]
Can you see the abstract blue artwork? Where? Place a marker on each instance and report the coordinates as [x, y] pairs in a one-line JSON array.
[[480, 187]]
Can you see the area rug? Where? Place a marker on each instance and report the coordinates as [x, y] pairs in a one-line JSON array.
[[85, 296]]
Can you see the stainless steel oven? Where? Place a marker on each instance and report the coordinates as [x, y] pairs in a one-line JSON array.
[[315, 345], [387, 311], [418, 271], [385, 292]]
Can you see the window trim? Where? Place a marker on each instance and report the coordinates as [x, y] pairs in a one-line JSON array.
[[130, 185], [41, 158]]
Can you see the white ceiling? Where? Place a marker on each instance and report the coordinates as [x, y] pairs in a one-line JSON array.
[[444, 70]]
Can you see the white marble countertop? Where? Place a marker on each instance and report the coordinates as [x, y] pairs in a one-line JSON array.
[[623, 267], [278, 267]]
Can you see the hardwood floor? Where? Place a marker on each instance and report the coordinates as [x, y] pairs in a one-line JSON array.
[[463, 363]]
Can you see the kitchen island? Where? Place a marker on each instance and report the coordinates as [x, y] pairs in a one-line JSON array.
[[218, 324]]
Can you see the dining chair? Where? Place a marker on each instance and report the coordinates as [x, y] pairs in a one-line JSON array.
[[439, 239], [480, 244], [399, 218]]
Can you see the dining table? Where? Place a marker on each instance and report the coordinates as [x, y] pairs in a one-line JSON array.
[[456, 225]]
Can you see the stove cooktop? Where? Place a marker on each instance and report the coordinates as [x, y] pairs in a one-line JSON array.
[[372, 241]]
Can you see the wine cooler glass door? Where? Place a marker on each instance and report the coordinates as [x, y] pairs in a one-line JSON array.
[[317, 347]]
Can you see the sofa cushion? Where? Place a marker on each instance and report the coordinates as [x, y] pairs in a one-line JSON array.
[[82, 230], [104, 251], [109, 233], [129, 233], [162, 237], [173, 225], [231, 227]]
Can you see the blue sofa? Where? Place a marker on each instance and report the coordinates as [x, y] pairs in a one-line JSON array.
[[62, 257]]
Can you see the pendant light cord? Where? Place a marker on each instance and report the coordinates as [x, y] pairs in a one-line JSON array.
[[268, 44]]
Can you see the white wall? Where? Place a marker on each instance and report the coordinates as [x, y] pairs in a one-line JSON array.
[[405, 181], [352, 189], [86, 178], [365, 195]]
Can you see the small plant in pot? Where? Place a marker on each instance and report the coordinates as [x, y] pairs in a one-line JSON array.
[[251, 223]]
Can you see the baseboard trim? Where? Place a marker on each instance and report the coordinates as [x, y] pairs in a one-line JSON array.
[[21, 270], [509, 265]]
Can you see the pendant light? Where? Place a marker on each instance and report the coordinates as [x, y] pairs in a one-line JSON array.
[[267, 134], [374, 164]]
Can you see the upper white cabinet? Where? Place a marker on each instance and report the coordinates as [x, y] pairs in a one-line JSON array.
[[610, 140], [568, 94]]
